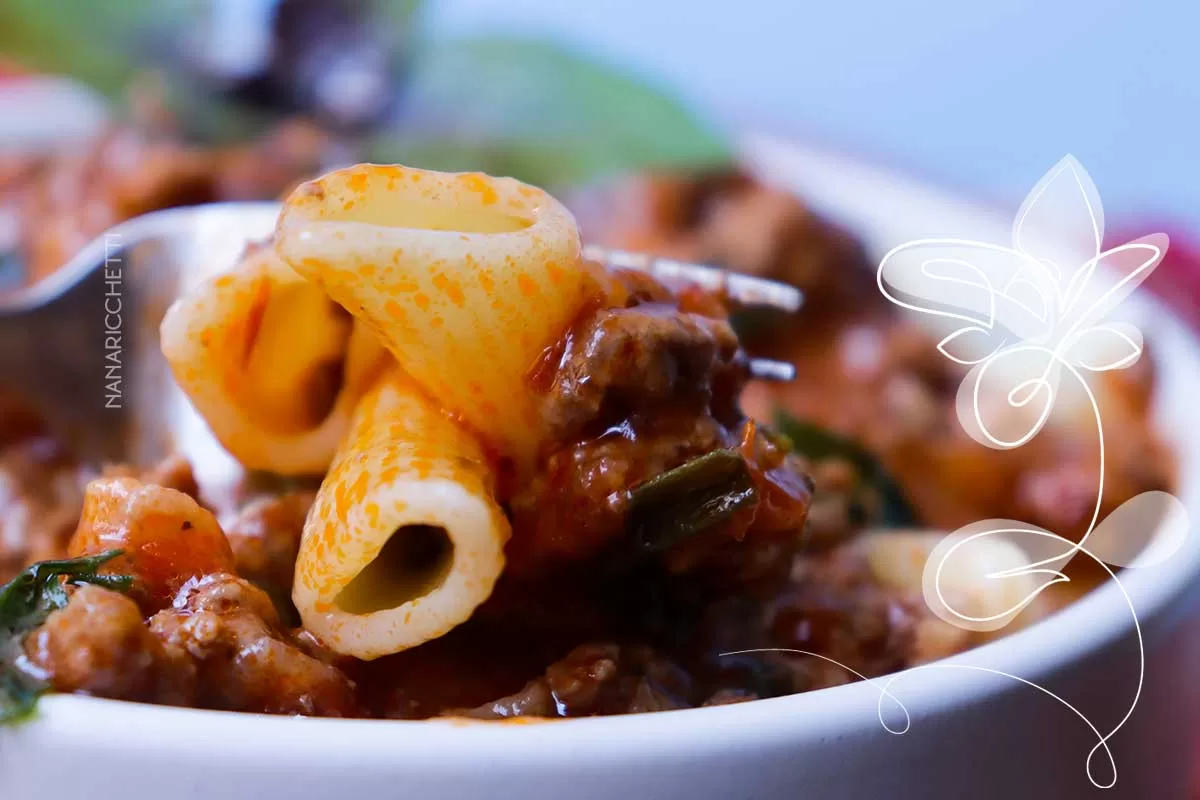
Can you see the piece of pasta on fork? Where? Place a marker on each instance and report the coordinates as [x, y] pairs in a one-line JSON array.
[[435, 300]]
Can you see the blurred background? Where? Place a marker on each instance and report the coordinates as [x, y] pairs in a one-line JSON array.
[[181, 101], [983, 96]]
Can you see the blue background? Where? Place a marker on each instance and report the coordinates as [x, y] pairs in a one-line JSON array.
[[980, 95]]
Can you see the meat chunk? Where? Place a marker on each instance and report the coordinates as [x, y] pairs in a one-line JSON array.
[[172, 472], [244, 660], [99, 645], [593, 680], [632, 359], [837, 609], [265, 537], [576, 505], [166, 537], [635, 392], [221, 646]]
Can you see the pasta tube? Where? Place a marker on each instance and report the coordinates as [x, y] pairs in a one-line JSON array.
[[465, 278], [897, 559], [273, 366], [405, 538]]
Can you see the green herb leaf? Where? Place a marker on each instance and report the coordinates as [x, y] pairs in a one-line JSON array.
[[25, 602], [818, 443], [540, 113], [94, 42], [689, 500]]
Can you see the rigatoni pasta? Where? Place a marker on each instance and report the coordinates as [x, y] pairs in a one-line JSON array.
[[542, 487], [271, 363], [405, 539], [441, 299], [465, 278]]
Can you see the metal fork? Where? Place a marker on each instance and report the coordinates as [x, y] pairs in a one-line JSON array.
[[82, 344]]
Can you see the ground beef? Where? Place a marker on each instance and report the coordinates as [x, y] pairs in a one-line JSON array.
[[172, 472], [836, 608], [99, 645], [629, 359], [220, 646], [576, 505], [265, 537], [244, 660], [713, 649], [596, 679], [636, 388]]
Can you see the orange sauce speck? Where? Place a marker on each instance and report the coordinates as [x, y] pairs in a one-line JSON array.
[[450, 287], [477, 182], [487, 280], [395, 310], [527, 285]]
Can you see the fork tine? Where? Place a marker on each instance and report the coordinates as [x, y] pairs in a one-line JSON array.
[[743, 289], [766, 369]]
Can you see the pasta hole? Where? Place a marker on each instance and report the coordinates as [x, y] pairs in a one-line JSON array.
[[295, 364], [412, 563], [431, 216]]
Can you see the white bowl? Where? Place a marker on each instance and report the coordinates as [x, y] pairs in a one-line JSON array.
[[972, 733]]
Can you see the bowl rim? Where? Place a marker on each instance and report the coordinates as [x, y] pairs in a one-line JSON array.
[[1084, 627]]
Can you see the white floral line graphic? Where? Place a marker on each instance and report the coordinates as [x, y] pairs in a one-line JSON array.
[[1024, 318], [884, 685]]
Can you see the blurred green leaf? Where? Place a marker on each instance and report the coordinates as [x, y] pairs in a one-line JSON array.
[[394, 19], [95, 41], [819, 443], [540, 113]]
